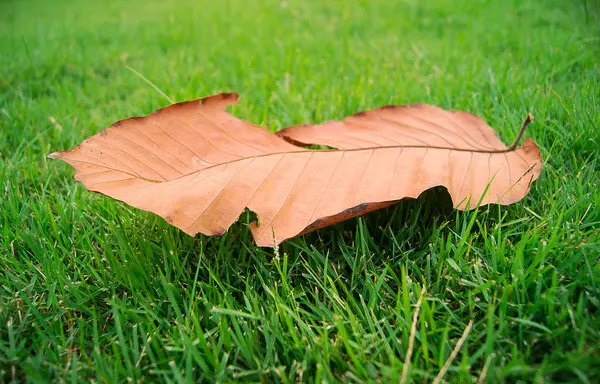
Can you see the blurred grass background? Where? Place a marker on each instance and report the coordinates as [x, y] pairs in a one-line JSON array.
[[91, 289]]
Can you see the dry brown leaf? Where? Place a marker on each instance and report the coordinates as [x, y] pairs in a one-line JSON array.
[[200, 167]]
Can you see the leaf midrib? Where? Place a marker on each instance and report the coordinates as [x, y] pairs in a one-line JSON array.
[[498, 151]]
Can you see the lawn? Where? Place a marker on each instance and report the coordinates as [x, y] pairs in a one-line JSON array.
[[93, 290]]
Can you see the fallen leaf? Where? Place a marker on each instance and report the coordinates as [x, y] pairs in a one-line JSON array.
[[199, 167]]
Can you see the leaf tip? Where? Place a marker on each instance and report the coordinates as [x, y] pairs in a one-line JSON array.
[[55, 155]]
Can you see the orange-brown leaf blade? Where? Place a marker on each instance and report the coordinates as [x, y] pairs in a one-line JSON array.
[[200, 167]]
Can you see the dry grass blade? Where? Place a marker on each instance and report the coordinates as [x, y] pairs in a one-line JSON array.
[[200, 167], [411, 339], [484, 371], [448, 363]]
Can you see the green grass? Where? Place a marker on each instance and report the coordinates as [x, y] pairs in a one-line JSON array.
[[92, 289]]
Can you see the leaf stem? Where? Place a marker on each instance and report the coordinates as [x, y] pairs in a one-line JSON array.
[[527, 121]]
